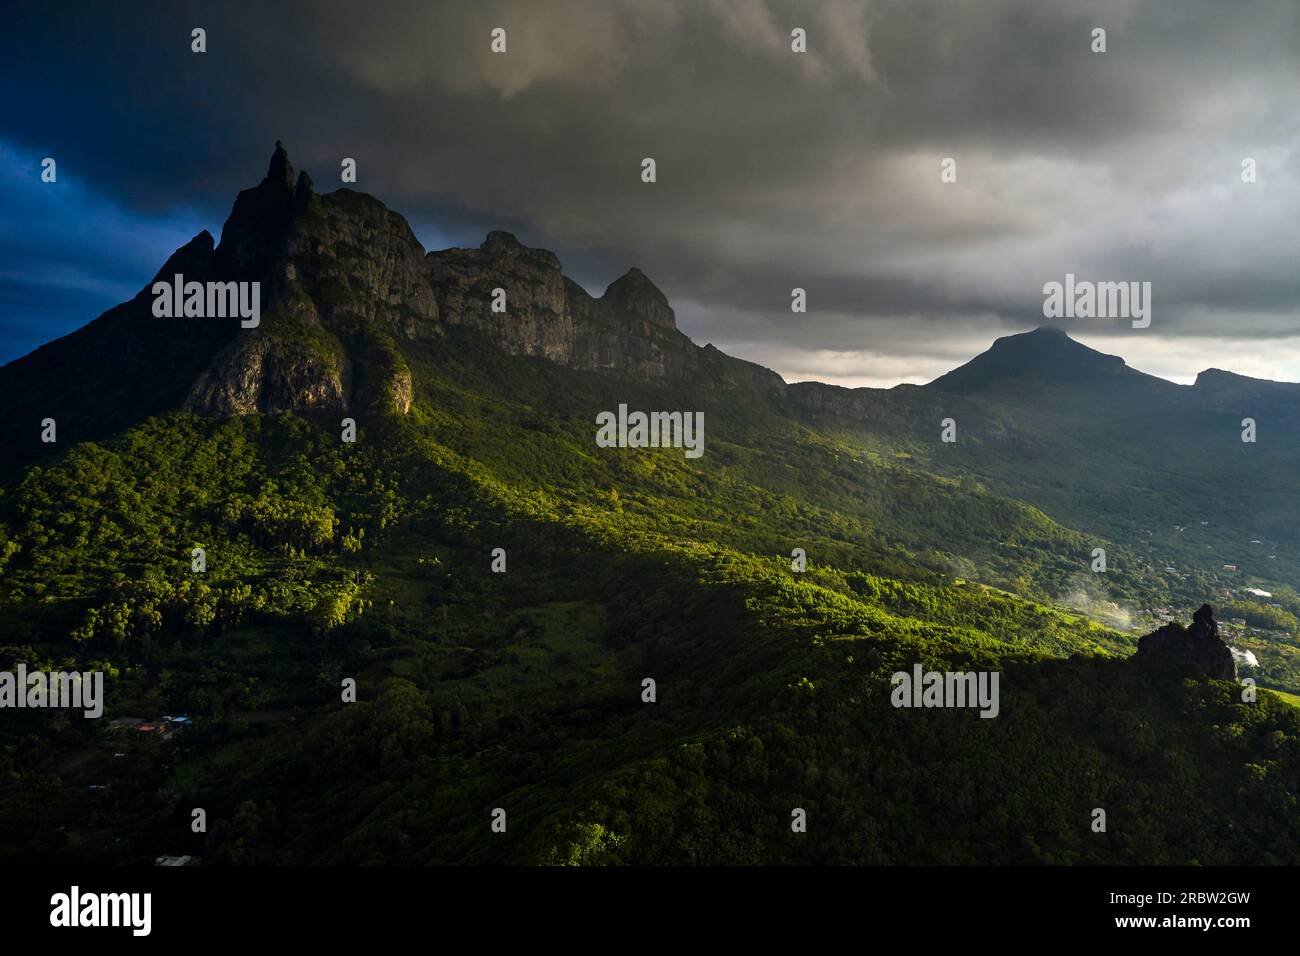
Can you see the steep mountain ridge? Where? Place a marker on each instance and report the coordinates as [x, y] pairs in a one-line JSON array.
[[345, 266], [345, 288]]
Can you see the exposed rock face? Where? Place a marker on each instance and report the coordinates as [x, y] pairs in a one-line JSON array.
[[257, 373], [635, 296], [345, 288], [345, 282], [630, 329], [1196, 651], [358, 264], [536, 321]]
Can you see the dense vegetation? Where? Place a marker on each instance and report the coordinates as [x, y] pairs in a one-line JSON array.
[[522, 690]]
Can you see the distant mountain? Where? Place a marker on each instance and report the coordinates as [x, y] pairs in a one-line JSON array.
[[1045, 355], [1018, 367], [1230, 392]]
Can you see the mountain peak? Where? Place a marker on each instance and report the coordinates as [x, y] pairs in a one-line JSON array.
[[1232, 392], [1044, 354], [193, 259], [1220, 378], [1045, 336], [634, 293], [279, 171], [262, 215], [501, 242]]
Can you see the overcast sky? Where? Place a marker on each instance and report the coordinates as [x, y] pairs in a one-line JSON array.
[[775, 169]]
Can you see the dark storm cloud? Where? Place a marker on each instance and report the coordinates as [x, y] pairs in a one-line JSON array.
[[775, 170]]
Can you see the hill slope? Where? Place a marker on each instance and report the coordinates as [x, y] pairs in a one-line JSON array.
[[515, 678]]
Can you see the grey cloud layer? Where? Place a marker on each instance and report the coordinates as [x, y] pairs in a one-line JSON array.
[[778, 170]]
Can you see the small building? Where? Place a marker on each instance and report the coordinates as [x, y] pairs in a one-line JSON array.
[[1230, 567]]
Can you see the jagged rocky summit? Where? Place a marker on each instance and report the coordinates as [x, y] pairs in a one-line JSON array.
[[346, 294], [350, 274], [1195, 651], [347, 284]]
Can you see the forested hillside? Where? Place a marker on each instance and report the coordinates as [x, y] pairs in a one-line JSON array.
[[501, 587], [522, 689]]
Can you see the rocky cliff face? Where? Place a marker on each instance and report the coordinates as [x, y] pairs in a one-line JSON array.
[[259, 373], [1196, 651], [346, 290], [345, 283], [536, 320]]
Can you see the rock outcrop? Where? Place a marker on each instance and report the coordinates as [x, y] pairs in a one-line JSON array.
[[1196, 651], [634, 296], [258, 373], [346, 292], [345, 283]]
